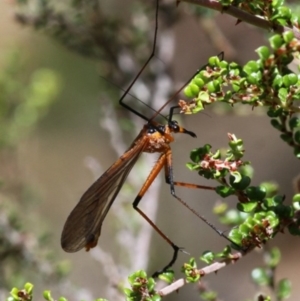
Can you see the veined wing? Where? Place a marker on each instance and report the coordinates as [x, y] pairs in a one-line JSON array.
[[83, 226]]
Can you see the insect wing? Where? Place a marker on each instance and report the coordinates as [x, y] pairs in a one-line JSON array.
[[83, 226]]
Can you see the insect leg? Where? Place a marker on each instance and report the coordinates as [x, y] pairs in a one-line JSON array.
[[170, 180], [123, 104], [153, 174]]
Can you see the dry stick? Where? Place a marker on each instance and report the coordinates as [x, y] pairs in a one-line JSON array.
[[214, 267], [244, 16]]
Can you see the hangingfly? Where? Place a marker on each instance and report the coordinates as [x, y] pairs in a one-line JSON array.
[[83, 226]]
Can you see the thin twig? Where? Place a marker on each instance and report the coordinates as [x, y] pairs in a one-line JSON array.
[[214, 267], [243, 16]]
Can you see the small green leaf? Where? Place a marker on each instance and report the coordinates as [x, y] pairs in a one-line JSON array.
[[260, 276], [284, 289], [236, 177], [151, 284], [198, 81], [256, 192], [254, 78], [297, 136], [282, 94], [290, 79], [277, 3], [277, 83], [247, 207], [294, 229], [273, 257], [167, 276], [242, 183], [235, 236], [207, 257], [251, 67], [296, 198], [47, 295], [203, 96], [225, 191], [294, 122], [156, 297], [276, 41], [276, 124], [192, 166], [28, 287], [197, 154], [297, 152], [214, 61], [14, 293], [188, 91], [263, 52]]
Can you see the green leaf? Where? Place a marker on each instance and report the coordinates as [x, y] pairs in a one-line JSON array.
[[282, 95], [167, 276], [277, 83], [151, 284], [15, 293], [214, 61], [225, 191], [127, 291], [189, 91], [254, 78], [204, 96], [247, 207], [288, 36], [47, 295], [197, 154], [192, 166], [296, 198], [294, 229], [290, 79], [276, 124], [294, 122], [236, 177], [256, 192], [276, 41], [207, 257], [235, 236], [28, 287], [273, 257], [242, 183], [260, 276], [213, 86], [277, 3], [284, 289], [297, 136], [198, 81], [156, 297], [273, 113], [251, 67], [263, 52]]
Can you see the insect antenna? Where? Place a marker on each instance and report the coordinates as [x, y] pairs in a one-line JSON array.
[[121, 100]]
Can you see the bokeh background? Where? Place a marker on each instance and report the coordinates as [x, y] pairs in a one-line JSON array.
[[70, 145]]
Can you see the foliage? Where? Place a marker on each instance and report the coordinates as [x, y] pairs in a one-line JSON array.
[[23, 102], [261, 211]]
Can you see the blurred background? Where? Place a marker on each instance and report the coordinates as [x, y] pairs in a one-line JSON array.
[[62, 128]]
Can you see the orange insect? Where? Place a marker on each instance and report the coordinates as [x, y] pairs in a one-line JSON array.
[[83, 226]]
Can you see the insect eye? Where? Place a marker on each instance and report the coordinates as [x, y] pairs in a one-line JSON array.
[[151, 130], [161, 128], [174, 125]]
